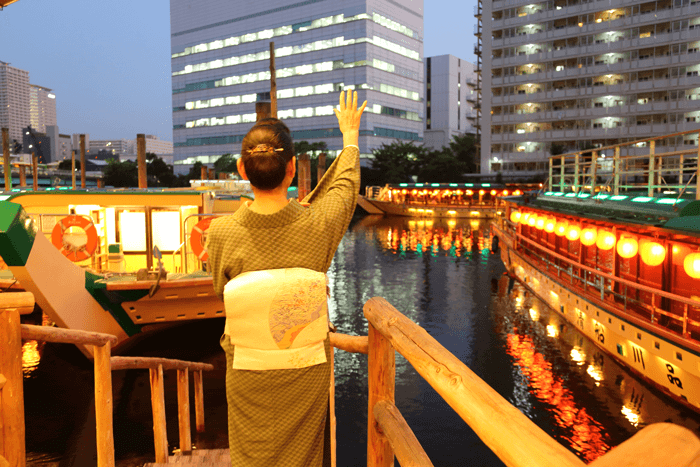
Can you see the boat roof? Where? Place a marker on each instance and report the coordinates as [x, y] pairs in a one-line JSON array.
[[60, 196]]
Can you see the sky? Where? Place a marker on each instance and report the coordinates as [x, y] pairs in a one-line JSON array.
[[108, 62]]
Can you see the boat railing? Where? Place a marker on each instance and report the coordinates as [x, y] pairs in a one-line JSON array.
[[12, 425], [667, 312], [630, 166], [184, 253]]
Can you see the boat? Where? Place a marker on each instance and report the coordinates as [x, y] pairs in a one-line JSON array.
[[612, 244], [115, 261], [448, 200]]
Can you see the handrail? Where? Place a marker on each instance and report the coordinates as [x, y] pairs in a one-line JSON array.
[[511, 435], [150, 363], [23, 302], [352, 344], [66, 336], [408, 450]]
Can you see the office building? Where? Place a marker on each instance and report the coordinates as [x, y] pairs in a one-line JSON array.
[[449, 99], [220, 67], [561, 75], [14, 100], [42, 107], [114, 146]]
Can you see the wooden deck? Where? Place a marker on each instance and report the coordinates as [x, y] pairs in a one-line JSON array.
[[203, 457]]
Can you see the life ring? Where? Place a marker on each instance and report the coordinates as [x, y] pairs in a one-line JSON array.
[[196, 238], [72, 252]]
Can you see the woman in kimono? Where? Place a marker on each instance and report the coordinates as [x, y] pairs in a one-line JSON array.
[[269, 261]]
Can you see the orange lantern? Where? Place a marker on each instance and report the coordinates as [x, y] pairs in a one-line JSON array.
[[505, 192], [549, 225], [691, 264], [515, 216], [493, 192], [524, 217], [404, 191], [606, 240], [482, 192], [470, 192], [573, 232], [540, 223], [589, 235], [414, 192], [516, 192], [627, 247], [532, 220], [652, 253], [560, 228]]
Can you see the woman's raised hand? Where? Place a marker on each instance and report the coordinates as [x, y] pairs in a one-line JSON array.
[[349, 115]]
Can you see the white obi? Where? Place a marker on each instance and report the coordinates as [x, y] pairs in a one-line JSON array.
[[277, 318]]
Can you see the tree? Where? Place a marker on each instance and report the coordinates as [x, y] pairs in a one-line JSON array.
[[440, 166], [226, 164], [121, 174], [159, 173], [463, 148], [396, 162], [66, 164]]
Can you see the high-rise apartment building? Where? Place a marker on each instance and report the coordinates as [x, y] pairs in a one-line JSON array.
[[14, 100], [42, 107], [449, 99], [575, 74], [220, 65]]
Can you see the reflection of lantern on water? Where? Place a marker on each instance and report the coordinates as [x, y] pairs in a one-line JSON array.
[[552, 330], [606, 240], [652, 253], [578, 355], [589, 235], [596, 373], [474, 224], [30, 357], [627, 247], [630, 415], [534, 314], [452, 223]]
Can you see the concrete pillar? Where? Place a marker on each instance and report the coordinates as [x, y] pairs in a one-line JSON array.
[[35, 172]]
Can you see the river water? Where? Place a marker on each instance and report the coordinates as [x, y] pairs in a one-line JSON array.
[[441, 275]]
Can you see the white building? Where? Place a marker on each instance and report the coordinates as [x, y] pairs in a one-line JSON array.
[[42, 107], [158, 146], [220, 63], [14, 100], [115, 146], [449, 99], [572, 73]]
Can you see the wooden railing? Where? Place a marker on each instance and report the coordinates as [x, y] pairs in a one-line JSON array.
[[653, 172], [12, 432], [511, 435]]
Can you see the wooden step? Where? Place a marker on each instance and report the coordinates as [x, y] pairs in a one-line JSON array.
[[200, 457]]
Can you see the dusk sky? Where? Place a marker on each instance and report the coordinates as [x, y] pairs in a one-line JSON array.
[[109, 62]]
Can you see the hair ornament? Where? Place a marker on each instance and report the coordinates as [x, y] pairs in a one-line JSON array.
[[263, 149]]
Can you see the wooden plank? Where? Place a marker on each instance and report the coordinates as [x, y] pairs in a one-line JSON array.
[[381, 381], [22, 301], [183, 409], [199, 401], [103, 406], [160, 435], [513, 437], [353, 344], [408, 450], [658, 444], [140, 285], [12, 394], [66, 336], [143, 363]]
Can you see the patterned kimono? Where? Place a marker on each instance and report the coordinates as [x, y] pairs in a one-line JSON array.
[[270, 271]]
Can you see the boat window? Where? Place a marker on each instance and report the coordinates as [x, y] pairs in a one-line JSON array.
[[610, 320], [166, 230], [639, 335], [679, 356], [622, 327], [657, 345]]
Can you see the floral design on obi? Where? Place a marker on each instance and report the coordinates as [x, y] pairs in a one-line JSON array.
[[295, 307]]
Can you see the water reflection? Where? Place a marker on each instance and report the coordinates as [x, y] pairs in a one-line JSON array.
[[32, 350]]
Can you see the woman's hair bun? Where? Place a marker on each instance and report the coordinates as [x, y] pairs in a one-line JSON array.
[[266, 150]]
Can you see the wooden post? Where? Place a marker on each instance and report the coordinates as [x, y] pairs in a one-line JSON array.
[[321, 166], [183, 410], [381, 381], [262, 110], [304, 175], [6, 158], [141, 159], [23, 175], [72, 168], [273, 82], [82, 161], [551, 173], [203, 173], [594, 170], [12, 444], [199, 401], [100, 183], [561, 173], [35, 172], [103, 406], [650, 176], [577, 159], [160, 435], [211, 174], [616, 170]]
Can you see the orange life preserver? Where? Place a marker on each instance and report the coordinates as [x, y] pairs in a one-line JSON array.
[[69, 251], [196, 238]]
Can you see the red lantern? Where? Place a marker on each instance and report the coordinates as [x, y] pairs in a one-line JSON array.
[[627, 247]]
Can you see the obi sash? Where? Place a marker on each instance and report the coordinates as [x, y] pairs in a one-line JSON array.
[[277, 318]]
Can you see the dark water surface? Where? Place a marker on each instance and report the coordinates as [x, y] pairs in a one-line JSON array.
[[442, 276]]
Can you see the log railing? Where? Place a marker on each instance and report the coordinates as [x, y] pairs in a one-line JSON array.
[[12, 427], [511, 435]]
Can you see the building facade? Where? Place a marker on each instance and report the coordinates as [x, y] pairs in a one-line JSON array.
[[42, 107], [14, 100], [114, 146], [220, 63], [157, 146], [569, 74], [449, 99]]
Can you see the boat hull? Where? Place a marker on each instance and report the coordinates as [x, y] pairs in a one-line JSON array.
[[647, 351], [374, 206]]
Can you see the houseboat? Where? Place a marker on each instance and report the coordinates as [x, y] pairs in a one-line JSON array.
[[612, 244]]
